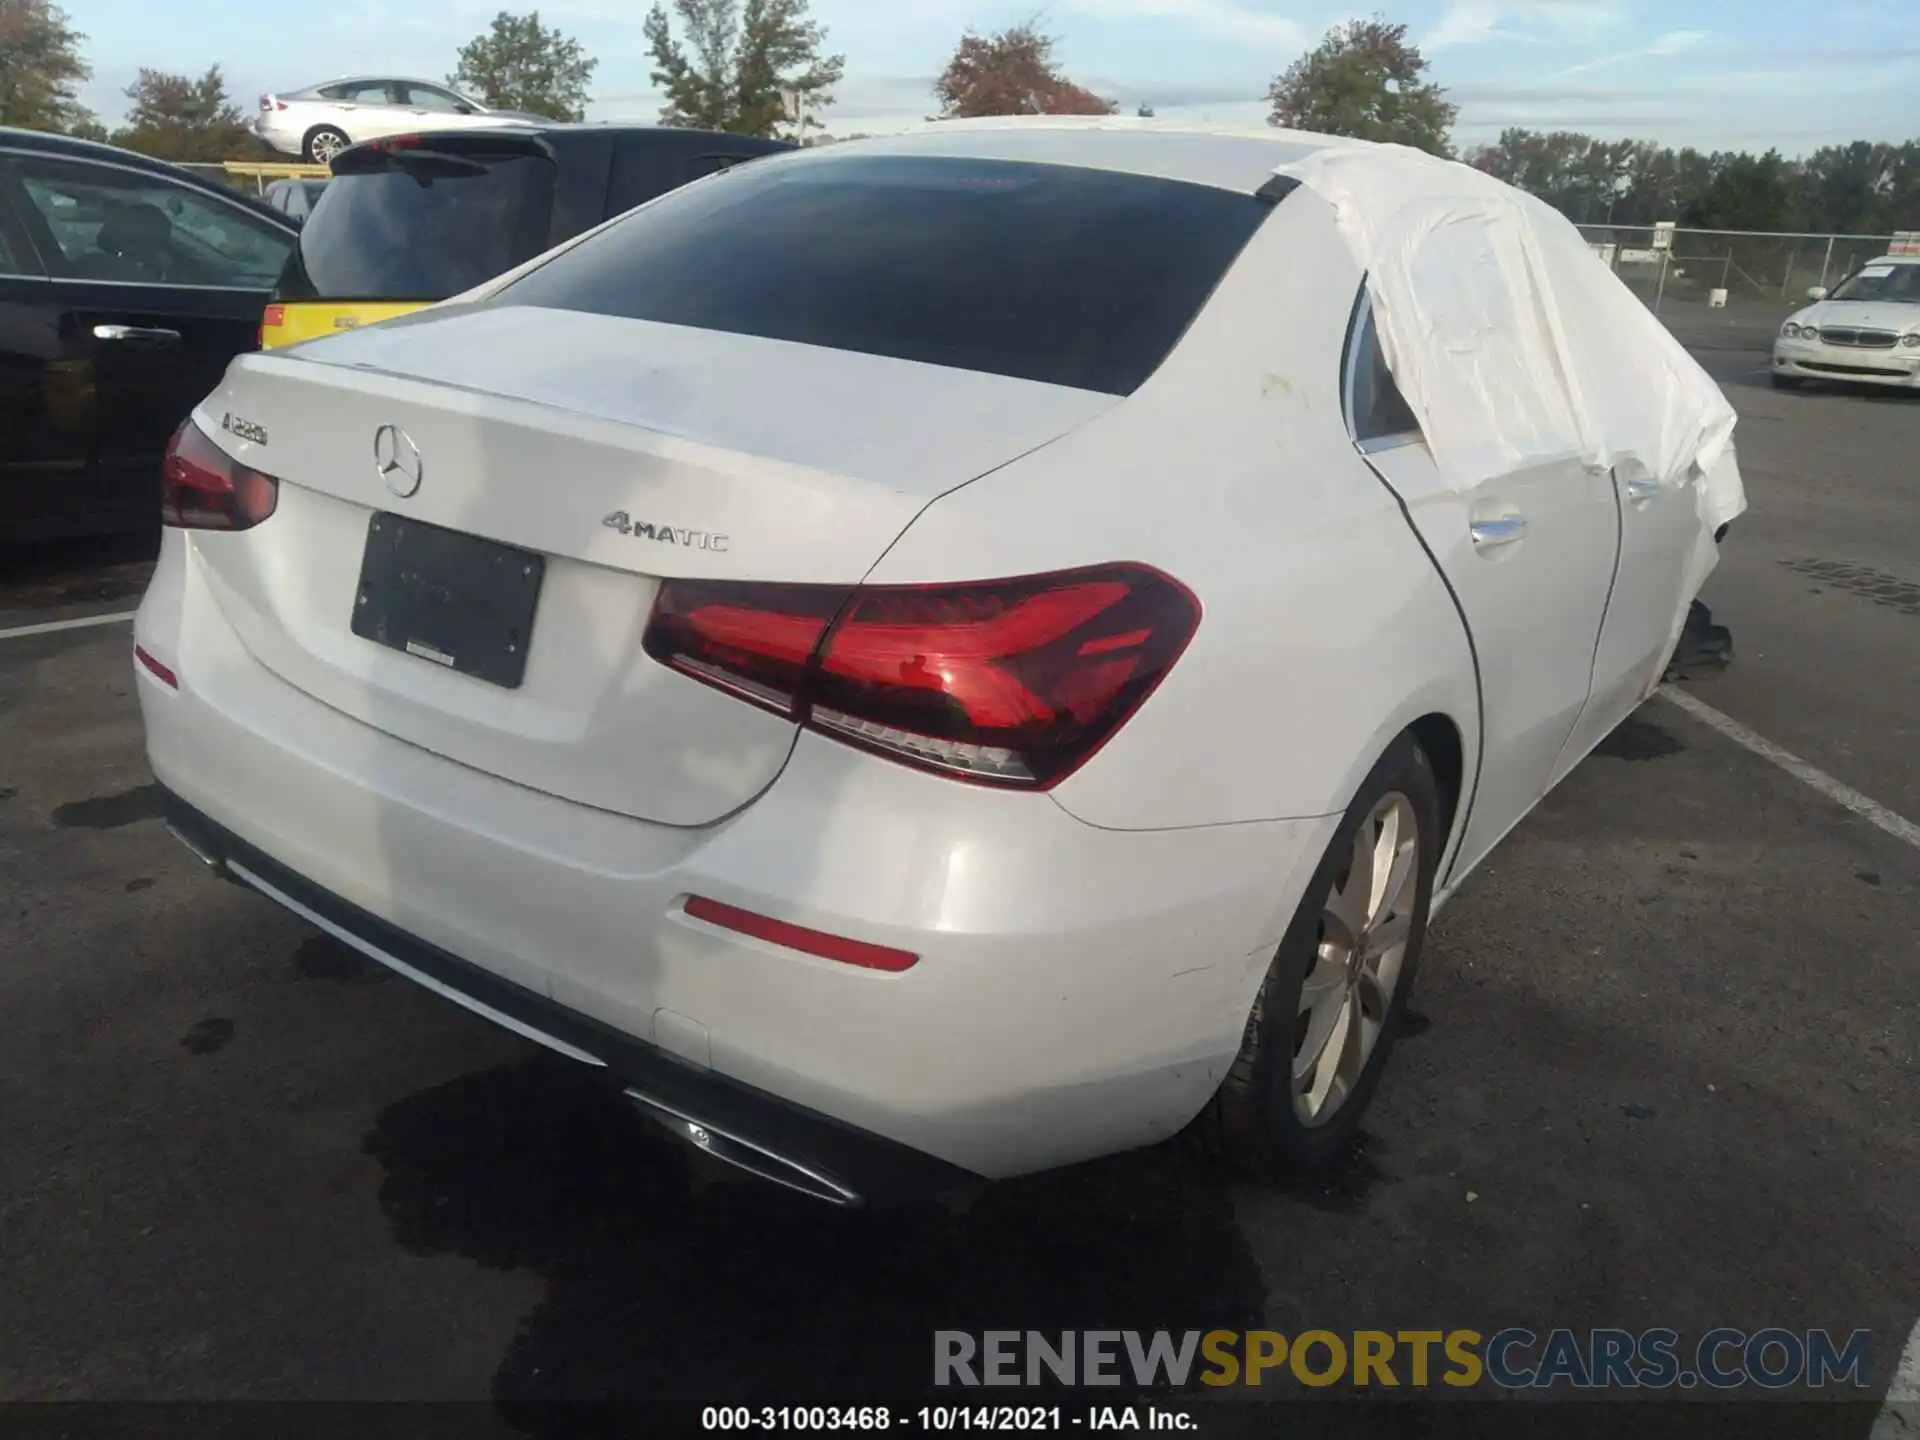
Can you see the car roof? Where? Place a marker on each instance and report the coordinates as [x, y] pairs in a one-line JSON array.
[[567, 131], [43, 142], [39, 142], [365, 80], [1229, 158]]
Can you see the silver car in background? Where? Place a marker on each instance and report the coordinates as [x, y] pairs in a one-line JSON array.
[[1865, 331], [318, 122]]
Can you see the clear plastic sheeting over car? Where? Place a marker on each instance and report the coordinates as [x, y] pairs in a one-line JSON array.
[[1510, 342]]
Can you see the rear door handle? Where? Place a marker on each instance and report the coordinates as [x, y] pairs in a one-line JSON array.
[[1643, 487], [1491, 534], [136, 334]]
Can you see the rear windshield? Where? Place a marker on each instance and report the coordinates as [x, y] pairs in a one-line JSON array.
[[1053, 273], [421, 226]]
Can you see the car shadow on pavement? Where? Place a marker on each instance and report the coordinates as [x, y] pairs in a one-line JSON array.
[[669, 1289], [668, 1282]]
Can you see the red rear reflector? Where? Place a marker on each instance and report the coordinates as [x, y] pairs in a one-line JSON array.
[[204, 488], [798, 937], [160, 671], [1016, 682]]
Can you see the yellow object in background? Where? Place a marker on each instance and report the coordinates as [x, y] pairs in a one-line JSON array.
[[287, 322]]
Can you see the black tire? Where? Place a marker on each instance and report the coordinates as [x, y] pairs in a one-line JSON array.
[[1252, 1121], [1787, 382], [337, 136]]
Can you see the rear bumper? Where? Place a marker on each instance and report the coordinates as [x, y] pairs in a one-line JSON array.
[[1079, 991], [276, 132], [779, 1140]]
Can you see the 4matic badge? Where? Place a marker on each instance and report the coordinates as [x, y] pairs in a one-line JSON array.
[[667, 534]]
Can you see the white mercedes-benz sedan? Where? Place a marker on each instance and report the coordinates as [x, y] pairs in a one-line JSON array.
[[943, 656]]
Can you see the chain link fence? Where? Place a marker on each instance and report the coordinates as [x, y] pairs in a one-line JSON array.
[[1670, 267]]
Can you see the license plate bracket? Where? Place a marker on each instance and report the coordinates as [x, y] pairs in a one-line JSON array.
[[455, 600]]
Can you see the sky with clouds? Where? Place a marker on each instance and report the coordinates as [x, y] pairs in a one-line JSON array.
[[1745, 74]]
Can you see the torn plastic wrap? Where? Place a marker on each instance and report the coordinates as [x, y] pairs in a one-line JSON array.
[[1512, 343]]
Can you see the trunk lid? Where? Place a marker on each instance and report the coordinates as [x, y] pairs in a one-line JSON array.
[[621, 452]]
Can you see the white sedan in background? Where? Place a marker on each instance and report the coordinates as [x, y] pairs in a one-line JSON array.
[[941, 657], [318, 122], [1865, 331]]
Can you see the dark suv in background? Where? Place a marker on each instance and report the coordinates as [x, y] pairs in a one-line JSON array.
[[126, 285], [412, 219]]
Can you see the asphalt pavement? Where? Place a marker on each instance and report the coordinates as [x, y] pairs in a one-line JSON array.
[[1664, 1071]]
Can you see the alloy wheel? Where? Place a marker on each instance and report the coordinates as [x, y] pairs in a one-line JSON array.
[[1365, 924]]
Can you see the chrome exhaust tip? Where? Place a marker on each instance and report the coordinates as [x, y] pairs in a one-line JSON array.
[[743, 1154], [200, 852]]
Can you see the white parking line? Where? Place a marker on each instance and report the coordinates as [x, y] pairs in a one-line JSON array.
[[53, 626], [1871, 811], [1899, 1417]]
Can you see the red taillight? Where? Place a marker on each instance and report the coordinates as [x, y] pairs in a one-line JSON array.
[[798, 937], [159, 671], [1010, 681], [271, 318], [755, 640], [204, 488]]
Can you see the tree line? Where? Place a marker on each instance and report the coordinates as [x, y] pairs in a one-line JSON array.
[[762, 67], [1864, 188]]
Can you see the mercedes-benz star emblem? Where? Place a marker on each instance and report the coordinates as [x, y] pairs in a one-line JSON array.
[[398, 460]]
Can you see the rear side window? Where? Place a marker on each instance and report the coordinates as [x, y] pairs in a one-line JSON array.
[[1378, 412], [1069, 276], [420, 225], [360, 92]]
